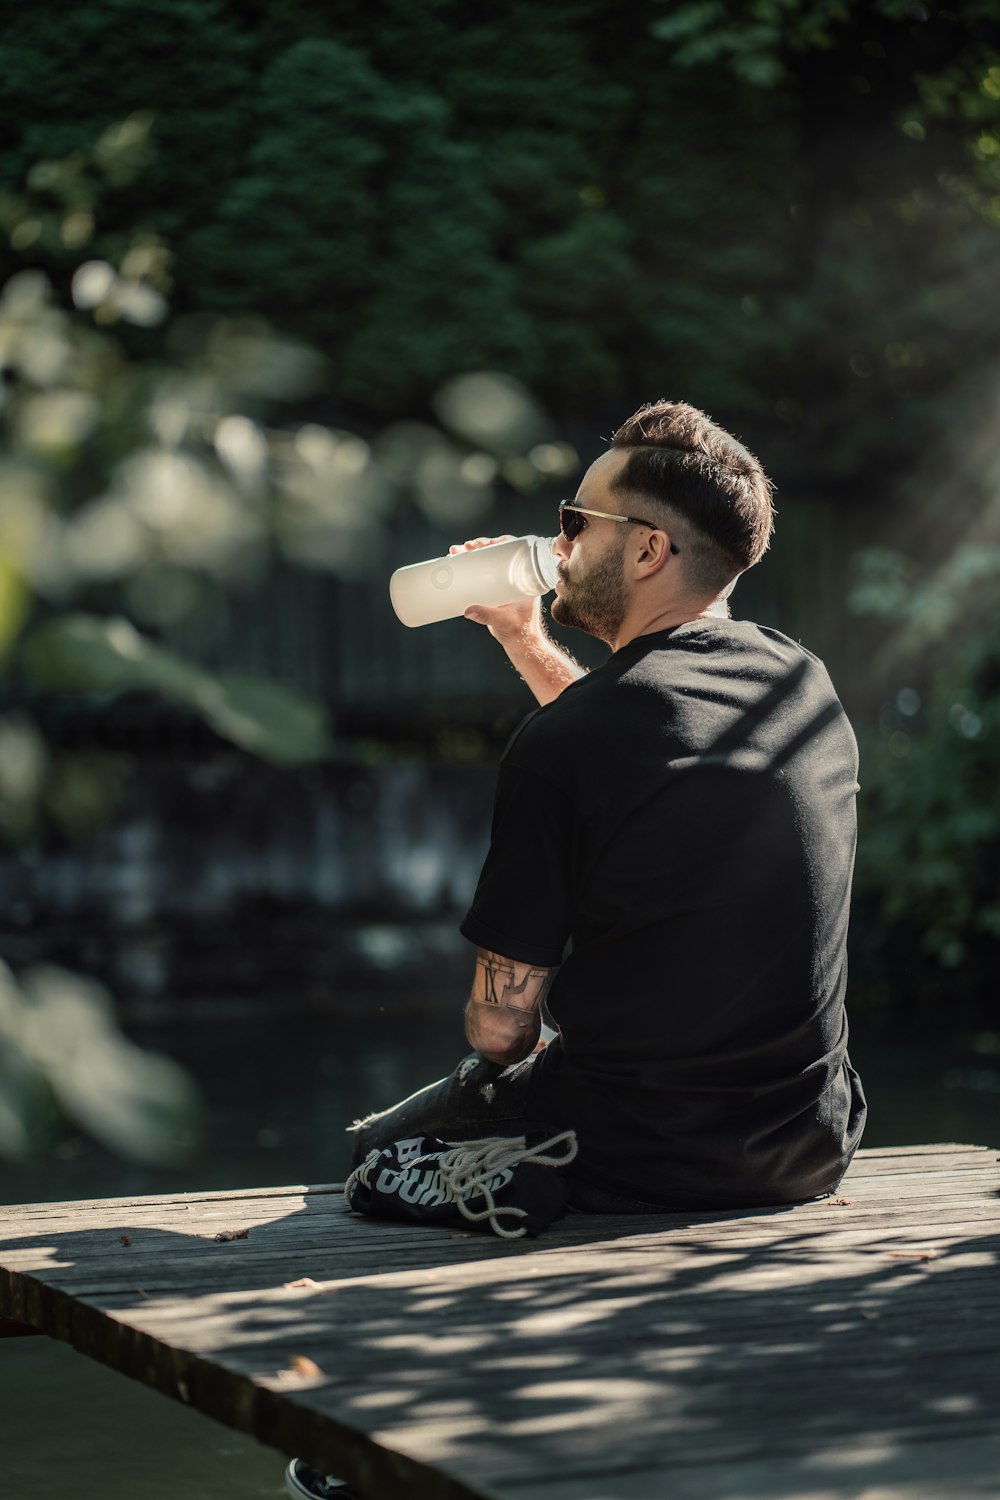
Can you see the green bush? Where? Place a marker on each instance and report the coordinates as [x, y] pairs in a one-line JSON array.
[[929, 848]]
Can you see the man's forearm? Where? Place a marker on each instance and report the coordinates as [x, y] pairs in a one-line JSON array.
[[545, 667], [503, 1017], [520, 629]]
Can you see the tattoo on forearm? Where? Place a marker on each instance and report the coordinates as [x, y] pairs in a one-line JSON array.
[[497, 983]]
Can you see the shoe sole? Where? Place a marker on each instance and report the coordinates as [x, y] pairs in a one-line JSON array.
[[299, 1492]]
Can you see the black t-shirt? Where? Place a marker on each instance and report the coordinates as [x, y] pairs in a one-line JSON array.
[[684, 819]]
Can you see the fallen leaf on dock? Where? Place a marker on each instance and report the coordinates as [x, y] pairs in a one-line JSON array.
[[911, 1254], [126, 1239], [840, 1202], [301, 1364], [225, 1235], [302, 1283]]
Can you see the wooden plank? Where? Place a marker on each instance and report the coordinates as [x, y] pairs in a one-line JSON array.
[[685, 1355], [155, 1257], [874, 1470], [307, 1214], [896, 1160]]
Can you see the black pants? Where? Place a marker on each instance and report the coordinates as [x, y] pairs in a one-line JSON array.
[[482, 1098]]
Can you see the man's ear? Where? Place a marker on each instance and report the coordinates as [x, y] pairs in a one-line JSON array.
[[653, 555]]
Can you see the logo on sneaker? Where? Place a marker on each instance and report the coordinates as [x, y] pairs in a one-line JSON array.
[[415, 1178]]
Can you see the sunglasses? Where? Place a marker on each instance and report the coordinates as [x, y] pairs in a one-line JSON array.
[[573, 518]]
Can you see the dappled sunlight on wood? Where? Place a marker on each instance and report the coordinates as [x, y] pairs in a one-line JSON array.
[[804, 1348]]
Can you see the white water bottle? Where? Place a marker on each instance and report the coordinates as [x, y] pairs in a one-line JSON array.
[[503, 573]]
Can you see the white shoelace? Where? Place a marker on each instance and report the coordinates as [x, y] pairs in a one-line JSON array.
[[469, 1167]]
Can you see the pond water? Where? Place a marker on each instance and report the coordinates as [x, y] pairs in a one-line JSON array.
[[279, 1091]]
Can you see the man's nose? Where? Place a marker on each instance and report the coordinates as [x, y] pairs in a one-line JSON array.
[[562, 546]]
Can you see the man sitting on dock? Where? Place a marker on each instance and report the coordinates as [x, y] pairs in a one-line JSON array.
[[671, 859], [670, 865]]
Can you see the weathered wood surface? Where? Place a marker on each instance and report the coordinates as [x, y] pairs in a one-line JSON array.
[[831, 1350]]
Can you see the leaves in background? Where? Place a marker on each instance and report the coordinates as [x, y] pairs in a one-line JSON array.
[[59, 1041], [81, 653]]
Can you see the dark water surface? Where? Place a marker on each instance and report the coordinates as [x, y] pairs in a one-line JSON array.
[[279, 1090]]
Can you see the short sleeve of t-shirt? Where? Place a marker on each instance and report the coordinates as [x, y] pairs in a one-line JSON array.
[[522, 903]]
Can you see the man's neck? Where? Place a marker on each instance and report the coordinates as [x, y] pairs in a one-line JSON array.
[[665, 619]]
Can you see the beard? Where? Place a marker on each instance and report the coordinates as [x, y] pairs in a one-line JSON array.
[[597, 603]]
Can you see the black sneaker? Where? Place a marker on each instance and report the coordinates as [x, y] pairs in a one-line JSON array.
[[309, 1484]]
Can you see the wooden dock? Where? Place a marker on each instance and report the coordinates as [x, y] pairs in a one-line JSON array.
[[844, 1348]]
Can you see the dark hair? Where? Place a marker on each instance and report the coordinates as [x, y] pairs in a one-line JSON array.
[[682, 461]]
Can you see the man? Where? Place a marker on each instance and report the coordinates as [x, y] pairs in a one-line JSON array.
[[670, 865], [682, 817]]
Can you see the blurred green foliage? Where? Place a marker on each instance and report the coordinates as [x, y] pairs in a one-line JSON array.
[[142, 484], [929, 847], [61, 1052], [132, 482], [787, 211], [82, 653], [127, 478]]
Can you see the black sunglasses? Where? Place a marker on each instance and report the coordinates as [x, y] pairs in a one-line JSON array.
[[573, 518]]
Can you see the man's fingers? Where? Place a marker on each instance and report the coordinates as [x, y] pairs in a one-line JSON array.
[[506, 621], [479, 541]]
